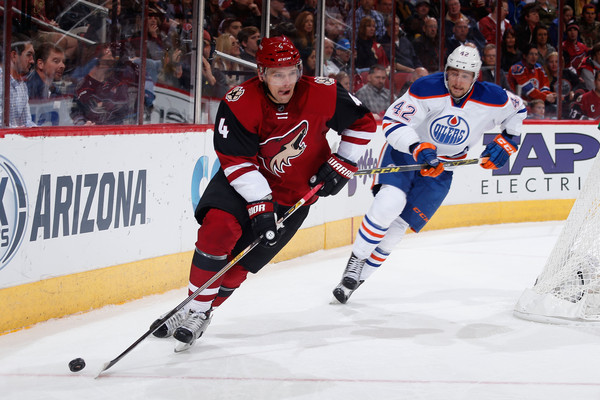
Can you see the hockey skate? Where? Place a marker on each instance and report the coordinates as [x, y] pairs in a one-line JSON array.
[[168, 328], [351, 276], [342, 293], [192, 328]]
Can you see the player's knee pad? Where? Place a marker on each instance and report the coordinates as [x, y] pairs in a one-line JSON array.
[[387, 206], [218, 233], [208, 262]]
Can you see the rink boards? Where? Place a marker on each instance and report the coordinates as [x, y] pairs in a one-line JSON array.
[[104, 215]]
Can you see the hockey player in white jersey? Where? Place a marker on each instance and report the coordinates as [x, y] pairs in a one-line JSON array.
[[439, 118]]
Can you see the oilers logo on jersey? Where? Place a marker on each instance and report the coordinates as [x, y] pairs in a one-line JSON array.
[[277, 152], [450, 130]]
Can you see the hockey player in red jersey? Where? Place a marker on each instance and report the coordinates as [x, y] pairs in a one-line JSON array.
[[270, 140]]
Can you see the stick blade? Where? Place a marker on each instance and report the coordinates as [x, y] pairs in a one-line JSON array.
[[106, 366]]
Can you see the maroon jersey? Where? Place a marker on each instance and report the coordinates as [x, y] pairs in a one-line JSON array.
[[590, 104], [268, 148]]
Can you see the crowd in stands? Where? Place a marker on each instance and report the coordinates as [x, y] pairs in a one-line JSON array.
[[368, 51]]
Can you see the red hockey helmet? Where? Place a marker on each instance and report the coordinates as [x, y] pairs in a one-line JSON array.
[[278, 51]]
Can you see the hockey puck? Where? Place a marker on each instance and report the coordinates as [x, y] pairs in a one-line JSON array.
[[77, 364]]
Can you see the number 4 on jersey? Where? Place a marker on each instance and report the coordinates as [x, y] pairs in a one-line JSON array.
[[223, 130]]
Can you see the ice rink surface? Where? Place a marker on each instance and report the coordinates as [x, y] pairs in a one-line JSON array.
[[434, 323]]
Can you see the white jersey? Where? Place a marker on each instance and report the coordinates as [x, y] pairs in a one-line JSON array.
[[427, 113]]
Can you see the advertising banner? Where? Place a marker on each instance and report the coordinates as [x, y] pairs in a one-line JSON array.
[[77, 202]]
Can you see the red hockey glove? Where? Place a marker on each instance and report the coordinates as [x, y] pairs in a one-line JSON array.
[[496, 154], [334, 174], [264, 221], [426, 153]]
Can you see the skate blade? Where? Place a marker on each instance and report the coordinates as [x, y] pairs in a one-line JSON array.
[[181, 347]]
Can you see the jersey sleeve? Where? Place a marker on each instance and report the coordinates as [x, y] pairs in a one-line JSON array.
[[354, 122], [514, 112], [237, 149], [401, 119]]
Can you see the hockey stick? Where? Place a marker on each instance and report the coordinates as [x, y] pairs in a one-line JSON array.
[[223, 270], [412, 167]]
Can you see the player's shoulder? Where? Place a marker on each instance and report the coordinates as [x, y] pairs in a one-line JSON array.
[[489, 93], [244, 95], [429, 86], [317, 85]]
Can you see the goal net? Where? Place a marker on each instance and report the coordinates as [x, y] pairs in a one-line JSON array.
[[568, 289]]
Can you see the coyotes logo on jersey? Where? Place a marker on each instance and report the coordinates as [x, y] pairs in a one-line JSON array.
[[277, 152]]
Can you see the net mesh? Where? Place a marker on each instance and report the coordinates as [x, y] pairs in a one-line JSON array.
[[569, 285]]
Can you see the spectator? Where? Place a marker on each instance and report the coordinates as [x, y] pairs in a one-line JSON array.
[[21, 60], [334, 27], [329, 67], [416, 74], [540, 35], [230, 25], [171, 73], [405, 57], [343, 79], [588, 106], [570, 84], [573, 50], [528, 79], [454, 14], [305, 30], [589, 28], [487, 25], [309, 61], [546, 12], [279, 14], [488, 68], [365, 9], [343, 54], [537, 109], [214, 83], [385, 8], [427, 45], [214, 14], [297, 7], [566, 17], [589, 66], [246, 11], [101, 98], [249, 37], [368, 51], [463, 34], [477, 9], [510, 52], [414, 25], [405, 10], [49, 67], [374, 95], [228, 44], [530, 18]]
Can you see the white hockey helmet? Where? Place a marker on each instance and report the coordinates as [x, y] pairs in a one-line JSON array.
[[465, 58]]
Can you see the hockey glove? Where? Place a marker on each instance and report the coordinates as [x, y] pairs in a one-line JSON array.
[[334, 174], [426, 153], [264, 221], [496, 154]]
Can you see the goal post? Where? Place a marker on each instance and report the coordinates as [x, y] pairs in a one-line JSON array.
[[568, 289]]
